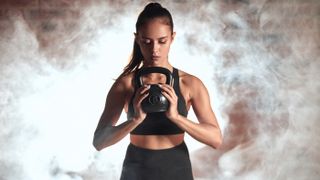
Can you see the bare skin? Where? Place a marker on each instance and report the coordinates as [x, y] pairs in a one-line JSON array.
[[154, 39]]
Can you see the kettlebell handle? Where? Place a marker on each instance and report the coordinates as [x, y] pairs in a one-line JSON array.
[[148, 70]]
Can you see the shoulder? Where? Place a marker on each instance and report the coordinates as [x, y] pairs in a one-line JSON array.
[[124, 82], [189, 80], [191, 85]]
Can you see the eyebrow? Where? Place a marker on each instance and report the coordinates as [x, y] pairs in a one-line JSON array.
[[158, 38]]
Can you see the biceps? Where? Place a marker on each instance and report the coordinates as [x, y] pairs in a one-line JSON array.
[[112, 111], [202, 107]]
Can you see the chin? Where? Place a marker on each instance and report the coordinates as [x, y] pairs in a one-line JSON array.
[[154, 62]]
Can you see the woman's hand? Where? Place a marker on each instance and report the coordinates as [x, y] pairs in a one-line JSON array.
[[168, 91], [141, 93]]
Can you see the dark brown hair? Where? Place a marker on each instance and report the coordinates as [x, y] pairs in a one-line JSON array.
[[151, 11]]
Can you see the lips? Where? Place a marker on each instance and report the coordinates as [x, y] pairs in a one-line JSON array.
[[155, 57]]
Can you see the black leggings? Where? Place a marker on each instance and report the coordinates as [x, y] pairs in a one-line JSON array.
[[165, 164]]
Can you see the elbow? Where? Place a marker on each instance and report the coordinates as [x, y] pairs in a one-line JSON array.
[[98, 148], [100, 142], [216, 143], [96, 145]]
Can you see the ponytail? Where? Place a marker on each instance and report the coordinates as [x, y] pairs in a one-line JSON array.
[[135, 62]]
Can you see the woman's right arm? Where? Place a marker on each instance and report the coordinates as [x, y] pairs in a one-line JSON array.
[[107, 133]]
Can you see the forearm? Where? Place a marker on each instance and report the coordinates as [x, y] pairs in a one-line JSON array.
[[110, 135], [206, 133]]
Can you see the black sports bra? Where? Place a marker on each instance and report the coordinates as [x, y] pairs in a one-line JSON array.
[[157, 123]]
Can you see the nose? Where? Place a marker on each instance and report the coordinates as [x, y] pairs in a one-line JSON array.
[[155, 48]]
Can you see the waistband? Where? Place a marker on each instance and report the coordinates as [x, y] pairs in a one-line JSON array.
[[182, 145], [158, 158]]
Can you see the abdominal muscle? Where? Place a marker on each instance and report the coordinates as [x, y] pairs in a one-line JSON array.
[[156, 142]]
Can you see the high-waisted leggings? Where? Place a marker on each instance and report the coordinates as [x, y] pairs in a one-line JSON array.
[[165, 164]]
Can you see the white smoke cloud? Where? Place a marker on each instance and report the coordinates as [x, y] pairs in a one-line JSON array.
[[261, 77], [267, 80]]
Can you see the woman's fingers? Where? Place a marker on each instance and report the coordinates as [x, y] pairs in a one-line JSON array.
[[140, 94], [170, 94], [168, 91], [142, 91], [144, 88]]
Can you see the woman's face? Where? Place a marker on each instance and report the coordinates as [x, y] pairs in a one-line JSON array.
[[154, 39]]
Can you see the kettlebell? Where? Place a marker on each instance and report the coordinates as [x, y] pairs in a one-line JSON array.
[[155, 101]]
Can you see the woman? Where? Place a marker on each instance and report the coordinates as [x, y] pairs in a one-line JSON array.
[[157, 149]]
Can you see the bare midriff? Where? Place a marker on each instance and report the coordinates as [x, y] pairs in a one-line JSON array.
[[156, 141]]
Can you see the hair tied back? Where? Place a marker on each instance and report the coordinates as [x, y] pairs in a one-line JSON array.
[[153, 5]]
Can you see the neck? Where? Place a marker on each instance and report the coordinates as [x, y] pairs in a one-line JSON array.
[[164, 65]]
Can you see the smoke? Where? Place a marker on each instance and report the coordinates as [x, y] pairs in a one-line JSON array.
[[53, 87], [258, 59], [265, 71]]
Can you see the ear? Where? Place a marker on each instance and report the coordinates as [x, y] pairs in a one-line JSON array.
[[173, 36]]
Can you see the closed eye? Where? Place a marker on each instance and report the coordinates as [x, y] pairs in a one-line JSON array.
[[163, 41]]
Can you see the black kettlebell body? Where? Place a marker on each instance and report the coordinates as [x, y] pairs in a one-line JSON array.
[[155, 101]]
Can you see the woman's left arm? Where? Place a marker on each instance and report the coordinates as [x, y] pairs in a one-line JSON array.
[[207, 130]]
